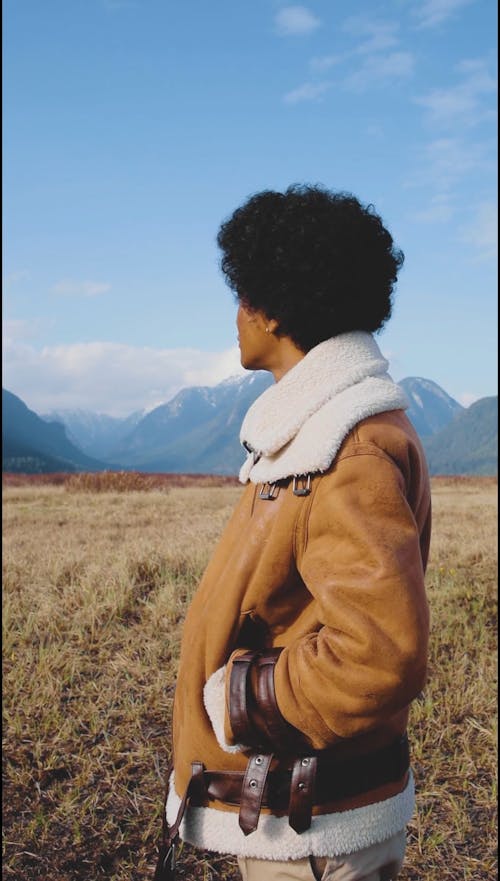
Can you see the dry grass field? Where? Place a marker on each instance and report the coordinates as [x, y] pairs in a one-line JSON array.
[[96, 584]]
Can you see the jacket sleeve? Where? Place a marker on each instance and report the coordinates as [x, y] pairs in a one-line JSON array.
[[358, 553]]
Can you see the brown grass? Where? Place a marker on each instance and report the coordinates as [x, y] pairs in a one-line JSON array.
[[116, 481], [96, 586]]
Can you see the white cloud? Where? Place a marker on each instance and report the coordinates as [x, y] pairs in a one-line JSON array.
[[295, 21], [468, 398], [325, 62], [463, 103], [377, 69], [375, 131], [446, 161], [108, 377], [15, 277], [67, 287], [306, 92], [378, 35], [439, 210], [431, 13], [14, 329], [482, 231]]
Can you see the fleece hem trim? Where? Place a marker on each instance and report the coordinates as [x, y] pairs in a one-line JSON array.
[[274, 839]]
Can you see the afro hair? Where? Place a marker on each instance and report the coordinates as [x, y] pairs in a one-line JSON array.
[[319, 262]]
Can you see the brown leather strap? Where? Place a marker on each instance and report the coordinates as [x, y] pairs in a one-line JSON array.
[[196, 790], [302, 793], [239, 688], [313, 780], [254, 714], [265, 694], [252, 791], [335, 779], [278, 731], [165, 865]]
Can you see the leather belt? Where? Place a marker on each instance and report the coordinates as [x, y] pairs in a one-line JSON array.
[[313, 779], [334, 779]]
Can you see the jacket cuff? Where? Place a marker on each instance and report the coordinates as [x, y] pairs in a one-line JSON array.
[[254, 715]]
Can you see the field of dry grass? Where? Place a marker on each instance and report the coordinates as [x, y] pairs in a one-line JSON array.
[[96, 585]]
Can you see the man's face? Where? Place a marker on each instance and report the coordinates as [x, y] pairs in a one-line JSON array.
[[256, 346]]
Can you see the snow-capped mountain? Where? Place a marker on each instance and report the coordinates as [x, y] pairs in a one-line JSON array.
[[431, 408], [94, 433], [197, 431]]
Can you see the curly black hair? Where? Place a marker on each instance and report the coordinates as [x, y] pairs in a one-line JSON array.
[[319, 262]]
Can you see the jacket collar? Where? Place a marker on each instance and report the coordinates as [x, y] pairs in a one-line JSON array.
[[297, 425]]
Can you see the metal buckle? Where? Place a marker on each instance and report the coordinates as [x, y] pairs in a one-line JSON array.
[[170, 855], [271, 494], [302, 485], [165, 870], [251, 452]]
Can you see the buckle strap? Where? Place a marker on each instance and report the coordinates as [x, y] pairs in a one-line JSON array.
[[165, 866], [302, 793], [313, 779], [277, 729], [330, 779], [239, 688], [302, 485], [251, 690], [196, 788], [271, 493], [266, 697], [252, 791]]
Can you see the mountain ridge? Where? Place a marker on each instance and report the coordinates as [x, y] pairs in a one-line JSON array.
[[30, 443], [468, 444], [94, 433], [431, 408], [197, 431]]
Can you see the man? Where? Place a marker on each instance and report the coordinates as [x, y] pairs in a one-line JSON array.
[[307, 638]]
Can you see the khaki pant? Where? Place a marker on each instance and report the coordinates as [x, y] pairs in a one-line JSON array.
[[380, 862]]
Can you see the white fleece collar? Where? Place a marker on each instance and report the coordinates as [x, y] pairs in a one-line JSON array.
[[297, 425]]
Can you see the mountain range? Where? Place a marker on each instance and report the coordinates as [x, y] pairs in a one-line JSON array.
[[96, 434], [34, 445], [198, 432]]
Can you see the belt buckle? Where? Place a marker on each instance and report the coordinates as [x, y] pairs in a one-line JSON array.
[[302, 485], [271, 493], [166, 865]]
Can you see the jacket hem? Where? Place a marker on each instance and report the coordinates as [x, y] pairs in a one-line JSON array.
[[329, 835]]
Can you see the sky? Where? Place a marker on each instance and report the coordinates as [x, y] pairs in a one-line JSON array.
[[133, 128]]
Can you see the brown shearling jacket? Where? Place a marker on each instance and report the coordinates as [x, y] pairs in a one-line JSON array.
[[334, 582]]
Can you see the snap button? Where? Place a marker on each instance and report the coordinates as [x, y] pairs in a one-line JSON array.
[[304, 762], [258, 760], [301, 786], [252, 784]]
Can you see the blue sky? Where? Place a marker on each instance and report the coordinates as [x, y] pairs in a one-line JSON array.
[[132, 128]]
